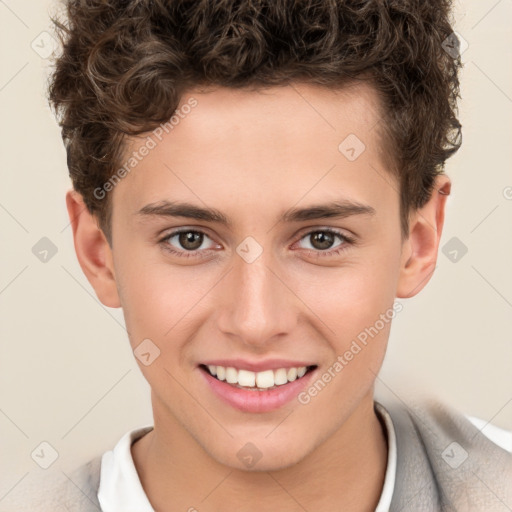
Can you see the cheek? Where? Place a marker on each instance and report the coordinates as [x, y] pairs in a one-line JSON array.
[[354, 306], [349, 300], [150, 297], [358, 313], [159, 300]]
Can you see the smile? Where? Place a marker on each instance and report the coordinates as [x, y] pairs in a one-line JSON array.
[[260, 391], [257, 381]]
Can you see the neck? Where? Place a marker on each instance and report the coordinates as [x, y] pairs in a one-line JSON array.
[[345, 472]]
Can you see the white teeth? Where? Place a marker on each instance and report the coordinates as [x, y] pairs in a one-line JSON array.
[[280, 377], [246, 378], [292, 374], [265, 379], [301, 371], [257, 380], [231, 375]]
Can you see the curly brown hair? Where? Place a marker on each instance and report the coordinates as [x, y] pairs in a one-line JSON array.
[[125, 64]]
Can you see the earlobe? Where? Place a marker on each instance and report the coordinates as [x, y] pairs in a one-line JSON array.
[[93, 251], [419, 252]]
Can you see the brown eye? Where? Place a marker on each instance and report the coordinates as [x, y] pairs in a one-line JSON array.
[[189, 243], [190, 240], [186, 242], [321, 240]]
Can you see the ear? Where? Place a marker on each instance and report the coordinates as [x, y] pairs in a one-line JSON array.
[[92, 250], [419, 252]]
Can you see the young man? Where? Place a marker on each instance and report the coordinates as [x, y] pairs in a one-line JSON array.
[[255, 183]]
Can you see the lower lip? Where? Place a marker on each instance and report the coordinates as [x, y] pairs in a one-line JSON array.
[[257, 401]]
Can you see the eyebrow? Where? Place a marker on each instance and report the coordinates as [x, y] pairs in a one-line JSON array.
[[336, 209]]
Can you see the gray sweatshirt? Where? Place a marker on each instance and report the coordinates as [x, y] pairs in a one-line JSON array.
[[444, 463]]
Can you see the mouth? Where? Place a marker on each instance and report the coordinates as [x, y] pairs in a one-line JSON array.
[[265, 380]]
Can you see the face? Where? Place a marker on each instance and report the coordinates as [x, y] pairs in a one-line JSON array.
[[297, 268]]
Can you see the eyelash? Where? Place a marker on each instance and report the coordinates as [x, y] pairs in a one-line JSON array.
[[347, 242]]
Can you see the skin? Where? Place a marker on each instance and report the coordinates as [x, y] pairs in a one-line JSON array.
[[253, 155]]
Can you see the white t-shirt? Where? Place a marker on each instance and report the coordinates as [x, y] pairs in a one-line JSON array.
[[120, 489]]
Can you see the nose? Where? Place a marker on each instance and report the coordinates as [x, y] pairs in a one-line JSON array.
[[255, 303]]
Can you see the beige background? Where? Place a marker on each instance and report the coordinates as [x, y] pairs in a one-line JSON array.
[[67, 374]]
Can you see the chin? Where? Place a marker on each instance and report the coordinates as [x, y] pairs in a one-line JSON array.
[[259, 455]]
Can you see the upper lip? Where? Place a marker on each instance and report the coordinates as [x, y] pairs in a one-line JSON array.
[[253, 366]]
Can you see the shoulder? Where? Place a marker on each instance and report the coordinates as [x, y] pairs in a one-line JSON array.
[[497, 435], [57, 491], [469, 470], [438, 423]]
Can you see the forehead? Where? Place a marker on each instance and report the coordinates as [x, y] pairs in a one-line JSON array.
[[303, 115], [277, 144]]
